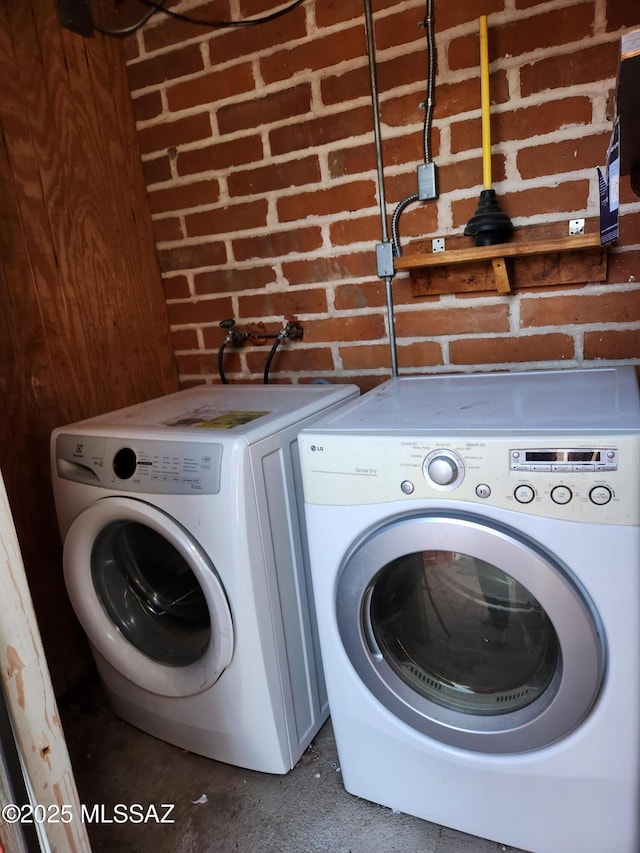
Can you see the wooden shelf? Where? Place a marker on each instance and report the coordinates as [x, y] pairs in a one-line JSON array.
[[535, 258]]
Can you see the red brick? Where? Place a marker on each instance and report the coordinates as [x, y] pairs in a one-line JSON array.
[[165, 30], [363, 327], [184, 196], [192, 257], [155, 70], [623, 344], [245, 41], [220, 155], [199, 312], [523, 35], [320, 52], [196, 363], [244, 115], [277, 243], [365, 356], [286, 303], [419, 354], [455, 98], [401, 28], [400, 71], [507, 350], [562, 311], [335, 268], [276, 176], [624, 267], [343, 198], [587, 65], [157, 170], [468, 173], [235, 279], [165, 230], [227, 219], [211, 87], [349, 296], [523, 123], [449, 15], [351, 161], [566, 196], [148, 106], [176, 287], [184, 339], [622, 13], [359, 229], [587, 152], [291, 357], [311, 133], [332, 12], [159, 137], [453, 321]]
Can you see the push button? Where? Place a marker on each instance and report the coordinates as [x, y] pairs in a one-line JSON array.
[[524, 494], [600, 495], [561, 495]]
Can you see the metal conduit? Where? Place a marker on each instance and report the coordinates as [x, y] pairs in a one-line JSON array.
[[388, 278]]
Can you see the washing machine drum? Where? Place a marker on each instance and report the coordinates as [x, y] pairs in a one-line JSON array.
[[148, 597]]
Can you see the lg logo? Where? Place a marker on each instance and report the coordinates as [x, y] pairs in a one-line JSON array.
[[315, 447]]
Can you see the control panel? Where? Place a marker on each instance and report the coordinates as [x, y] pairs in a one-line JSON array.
[[150, 466], [578, 480]]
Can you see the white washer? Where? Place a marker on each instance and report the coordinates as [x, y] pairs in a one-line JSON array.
[[186, 563], [478, 601]]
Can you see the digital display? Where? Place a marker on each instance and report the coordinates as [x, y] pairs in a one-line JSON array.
[[583, 456], [565, 456], [545, 456]]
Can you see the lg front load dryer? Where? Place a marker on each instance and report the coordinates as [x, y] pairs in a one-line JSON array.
[[185, 562], [478, 601]]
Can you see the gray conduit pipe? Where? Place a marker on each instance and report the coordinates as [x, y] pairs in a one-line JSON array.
[[388, 274]]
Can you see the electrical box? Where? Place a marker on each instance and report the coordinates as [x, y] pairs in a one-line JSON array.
[[75, 15]]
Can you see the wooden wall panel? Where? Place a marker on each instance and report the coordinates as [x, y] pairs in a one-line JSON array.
[[83, 324]]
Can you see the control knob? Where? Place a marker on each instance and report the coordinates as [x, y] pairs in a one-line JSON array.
[[444, 469]]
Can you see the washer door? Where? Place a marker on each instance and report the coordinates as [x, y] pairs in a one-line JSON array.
[[148, 597], [469, 632]]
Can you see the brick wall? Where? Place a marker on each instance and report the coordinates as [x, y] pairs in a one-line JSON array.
[[260, 163]]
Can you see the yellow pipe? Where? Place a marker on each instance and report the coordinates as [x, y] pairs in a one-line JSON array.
[[486, 104]]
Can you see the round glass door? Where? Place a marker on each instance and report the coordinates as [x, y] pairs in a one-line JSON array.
[[148, 597], [462, 632], [149, 592], [469, 632]]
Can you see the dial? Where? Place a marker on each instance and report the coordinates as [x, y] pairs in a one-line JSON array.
[[444, 469], [125, 463]]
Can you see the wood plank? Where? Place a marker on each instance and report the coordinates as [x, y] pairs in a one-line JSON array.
[[83, 322], [502, 250], [529, 271], [30, 699]]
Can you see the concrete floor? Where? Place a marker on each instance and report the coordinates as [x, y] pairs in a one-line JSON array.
[[224, 809]]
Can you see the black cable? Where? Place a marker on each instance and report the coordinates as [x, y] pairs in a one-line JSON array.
[[223, 378], [204, 22], [132, 28], [272, 352]]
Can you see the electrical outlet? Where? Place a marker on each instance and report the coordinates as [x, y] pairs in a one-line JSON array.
[[437, 244]]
